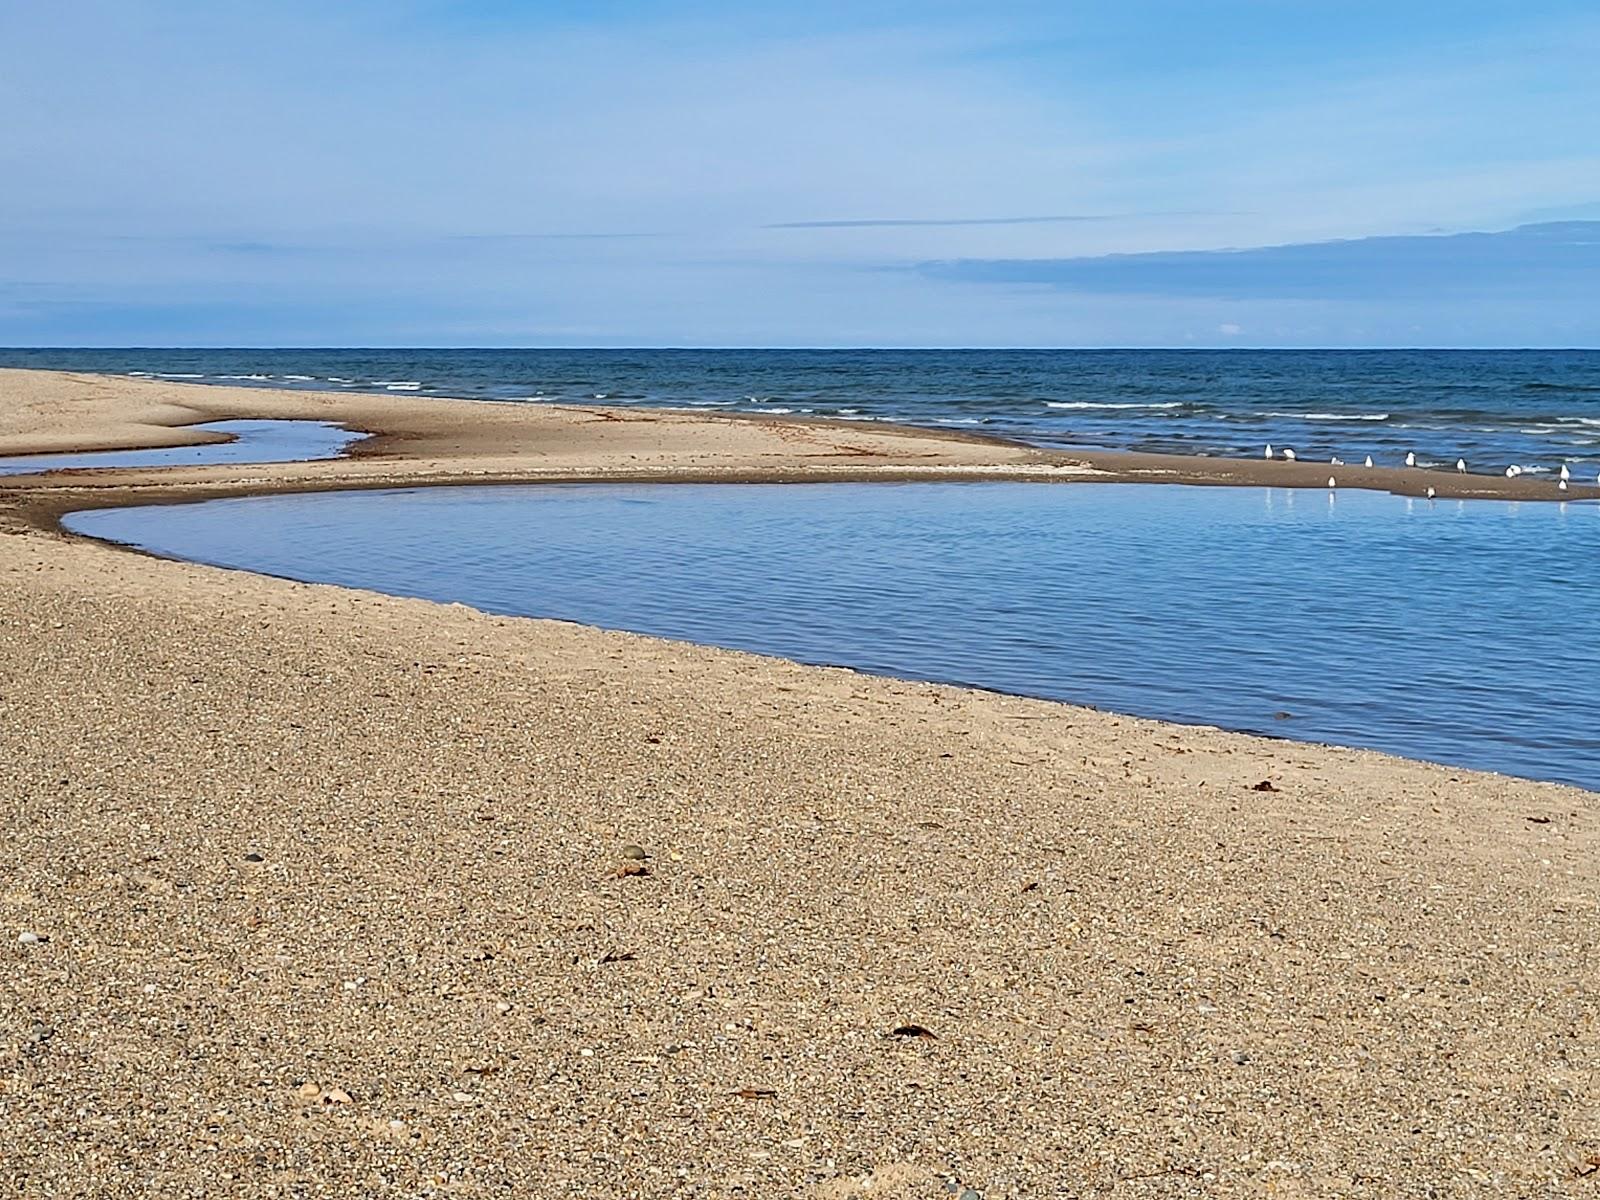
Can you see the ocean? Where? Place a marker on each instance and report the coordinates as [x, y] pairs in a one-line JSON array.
[[1536, 408]]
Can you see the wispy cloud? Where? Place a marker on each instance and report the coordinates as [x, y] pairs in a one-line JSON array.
[[1554, 259], [880, 222], [549, 237]]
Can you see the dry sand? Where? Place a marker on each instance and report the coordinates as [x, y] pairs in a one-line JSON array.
[[329, 899]]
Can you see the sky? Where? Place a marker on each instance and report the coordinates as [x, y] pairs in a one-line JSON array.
[[607, 173]]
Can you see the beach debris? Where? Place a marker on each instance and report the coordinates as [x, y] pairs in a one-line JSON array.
[[309, 1091], [629, 870], [253, 857], [1537, 820], [336, 1096], [1031, 887], [28, 938], [913, 1031], [39, 1032], [616, 956], [1411, 458], [755, 1093], [634, 852], [1266, 785]]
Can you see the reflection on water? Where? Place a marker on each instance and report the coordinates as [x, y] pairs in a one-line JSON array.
[[253, 442], [1464, 632]]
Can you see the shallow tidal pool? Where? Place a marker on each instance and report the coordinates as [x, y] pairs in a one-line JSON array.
[[251, 442], [1465, 632]]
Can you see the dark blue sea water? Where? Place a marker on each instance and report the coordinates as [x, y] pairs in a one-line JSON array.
[[1467, 632], [1536, 408], [252, 442]]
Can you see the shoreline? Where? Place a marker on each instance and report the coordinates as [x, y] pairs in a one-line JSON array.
[[330, 890], [430, 444]]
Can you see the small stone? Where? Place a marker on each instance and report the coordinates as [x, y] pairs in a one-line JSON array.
[[634, 852], [336, 1096], [41, 1032], [253, 857], [30, 939], [502, 1008], [309, 1091]]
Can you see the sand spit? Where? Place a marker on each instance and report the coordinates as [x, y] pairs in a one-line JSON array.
[[423, 441], [308, 891]]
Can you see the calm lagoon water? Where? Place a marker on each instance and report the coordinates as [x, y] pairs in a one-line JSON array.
[[253, 442], [1465, 632]]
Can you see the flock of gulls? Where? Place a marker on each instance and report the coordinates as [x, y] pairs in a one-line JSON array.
[[1288, 455]]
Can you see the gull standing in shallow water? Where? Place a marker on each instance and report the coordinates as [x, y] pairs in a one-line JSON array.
[[1411, 458]]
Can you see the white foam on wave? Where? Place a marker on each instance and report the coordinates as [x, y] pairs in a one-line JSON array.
[[179, 375], [244, 376], [1329, 416], [399, 385], [302, 378], [1099, 404]]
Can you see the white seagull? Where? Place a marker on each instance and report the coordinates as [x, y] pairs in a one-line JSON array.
[[1332, 483], [1268, 453], [1461, 466], [1411, 458], [1513, 471], [1336, 461], [1562, 486], [1288, 454], [1431, 493], [1369, 460], [1565, 474]]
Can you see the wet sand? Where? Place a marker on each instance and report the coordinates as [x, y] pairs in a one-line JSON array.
[[328, 892]]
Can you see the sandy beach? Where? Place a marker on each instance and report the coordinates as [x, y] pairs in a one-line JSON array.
[[309, 891]]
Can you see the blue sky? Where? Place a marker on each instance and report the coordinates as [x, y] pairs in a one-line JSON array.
[[1139, 173]]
